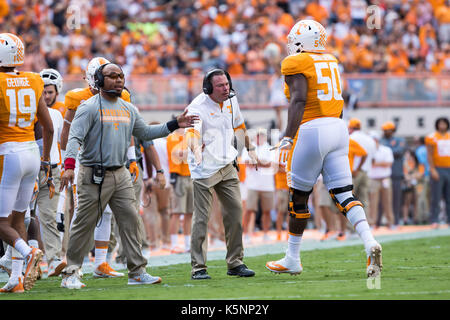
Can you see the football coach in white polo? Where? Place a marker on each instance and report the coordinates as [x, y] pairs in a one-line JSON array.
[[211, 162]]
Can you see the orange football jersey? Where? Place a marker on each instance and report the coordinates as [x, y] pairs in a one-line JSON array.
[[76, 97], [60, 106], [175, 143], [324, 97], [19, 98], [354, 150]]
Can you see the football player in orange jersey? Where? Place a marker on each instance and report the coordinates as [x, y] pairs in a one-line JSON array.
[[318, 141], [21, 103], [102, 233]]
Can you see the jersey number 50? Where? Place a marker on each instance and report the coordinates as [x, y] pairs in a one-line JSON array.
[[18, 103], [333, 83]]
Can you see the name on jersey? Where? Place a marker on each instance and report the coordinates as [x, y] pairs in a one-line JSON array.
[[322, 57], [17, 82]]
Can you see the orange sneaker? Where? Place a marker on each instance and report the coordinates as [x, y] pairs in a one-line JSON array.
[[177, 250], [341, 237], [105, 271], [13, 287], [32, 271]]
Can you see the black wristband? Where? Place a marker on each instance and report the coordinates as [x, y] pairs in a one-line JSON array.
[[172, 125]]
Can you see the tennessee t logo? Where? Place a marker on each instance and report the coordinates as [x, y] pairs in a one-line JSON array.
[[116, 125]]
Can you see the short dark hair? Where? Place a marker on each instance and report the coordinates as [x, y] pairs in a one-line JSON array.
[[442, 119]]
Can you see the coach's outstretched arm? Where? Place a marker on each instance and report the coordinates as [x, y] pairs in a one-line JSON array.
[[144, 131]]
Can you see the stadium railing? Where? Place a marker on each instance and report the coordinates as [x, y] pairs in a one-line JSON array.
[[174, 92]]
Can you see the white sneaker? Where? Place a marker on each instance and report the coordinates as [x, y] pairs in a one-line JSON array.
[[285, 265], [144, 278], [55, 267], [13, 286], [6, 265], [105, 271], [72, 282], [374, 261]]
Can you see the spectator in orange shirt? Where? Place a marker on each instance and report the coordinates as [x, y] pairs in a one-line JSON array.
[[398, 61], [317, 11], [442, 14], [438, 148]]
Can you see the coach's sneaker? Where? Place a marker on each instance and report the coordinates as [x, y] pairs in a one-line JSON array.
[[374, 261], [55, 267], [144, 278], [105, 271], [32, 270], [13, 286], [285, 265], [72, 282], [6, 264]]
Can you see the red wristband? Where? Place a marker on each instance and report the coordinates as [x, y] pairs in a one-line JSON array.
[[69, 163]]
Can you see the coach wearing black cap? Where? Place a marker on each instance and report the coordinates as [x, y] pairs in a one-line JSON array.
[[211, 158]]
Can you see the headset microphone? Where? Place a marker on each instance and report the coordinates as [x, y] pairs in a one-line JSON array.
[[231, 94]]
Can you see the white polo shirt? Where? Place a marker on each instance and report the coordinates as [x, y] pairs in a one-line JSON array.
[[369, 145], [216, 131], [383, 154], [58, 122]]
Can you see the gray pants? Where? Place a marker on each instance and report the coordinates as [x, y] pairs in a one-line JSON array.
[[47, 216], [225, 183], [397, 198], [118, 192], [440, 189]]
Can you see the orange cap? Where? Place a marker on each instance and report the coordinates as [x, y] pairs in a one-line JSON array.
[[354, 123], [389, 125]]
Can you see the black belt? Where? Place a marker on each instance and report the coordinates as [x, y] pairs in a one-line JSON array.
[[53, 166], [108, 168]]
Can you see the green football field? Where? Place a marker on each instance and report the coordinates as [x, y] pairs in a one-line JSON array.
[[413, 269]]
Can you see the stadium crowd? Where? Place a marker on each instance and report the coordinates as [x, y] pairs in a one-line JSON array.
[[190, 37]]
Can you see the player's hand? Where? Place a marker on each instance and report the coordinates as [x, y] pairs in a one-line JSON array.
[[185, 121], [134, 170], [285, 144], [51, 187], [160, 180], [66, 179], [46, 167], [434, 174]]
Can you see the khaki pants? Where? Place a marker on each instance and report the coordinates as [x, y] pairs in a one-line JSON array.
[[361, 187], [47, 216], [225, 183], [381, 189], [118, 192]]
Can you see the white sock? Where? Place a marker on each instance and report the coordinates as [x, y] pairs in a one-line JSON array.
[[21, 246], [174, 240], [17, 265], [100, 255], [33, 243], [103, 231], [187, 242], [357, 218], [8, 252], [293, 249]]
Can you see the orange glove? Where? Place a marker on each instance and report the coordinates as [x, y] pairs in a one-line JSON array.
[[134, 170], [35, 190], [51, 187]]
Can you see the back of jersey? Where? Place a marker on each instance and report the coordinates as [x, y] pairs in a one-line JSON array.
[[324, 98], [19, 97]]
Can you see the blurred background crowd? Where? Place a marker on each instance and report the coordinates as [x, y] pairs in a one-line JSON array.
[[191, 36]]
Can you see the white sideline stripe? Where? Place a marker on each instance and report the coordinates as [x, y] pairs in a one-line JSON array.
[[279, 247]]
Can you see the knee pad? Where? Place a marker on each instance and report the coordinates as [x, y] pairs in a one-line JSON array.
[[349, 199], [298, 204]]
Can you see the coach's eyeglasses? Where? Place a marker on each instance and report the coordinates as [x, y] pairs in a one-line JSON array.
[[115, 75]]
